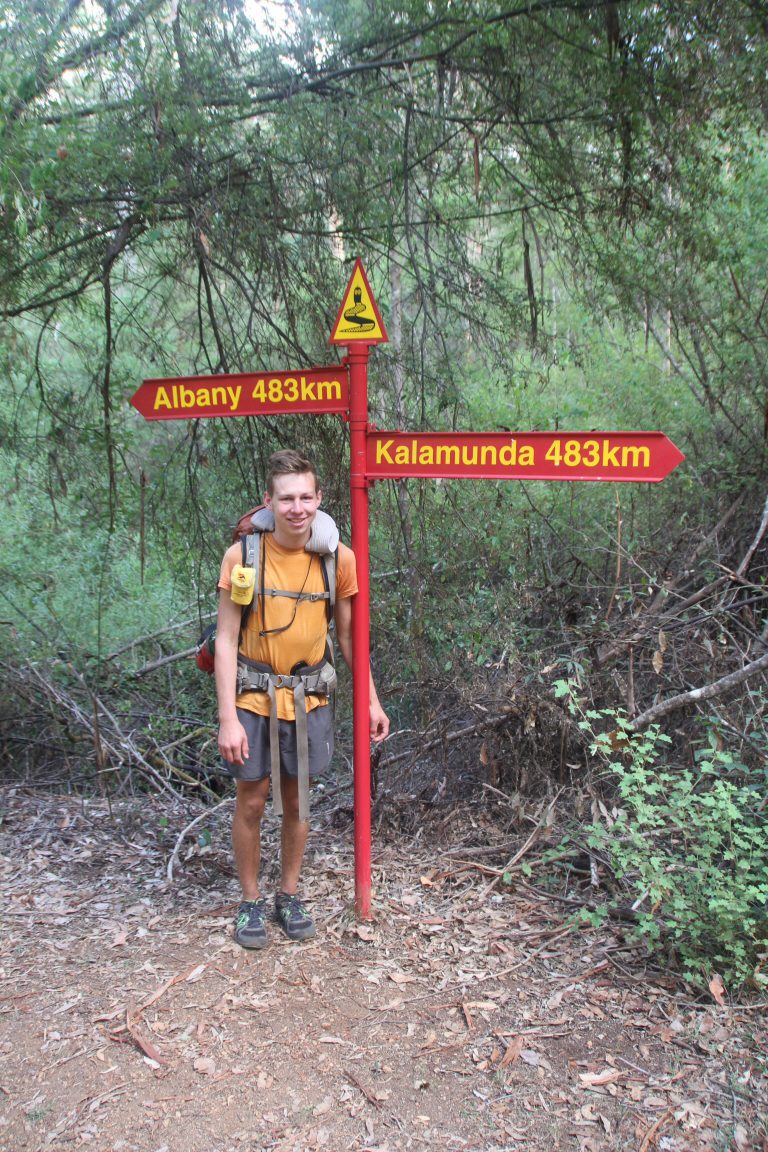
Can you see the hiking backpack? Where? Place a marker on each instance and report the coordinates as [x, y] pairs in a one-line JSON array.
[[249, 530]]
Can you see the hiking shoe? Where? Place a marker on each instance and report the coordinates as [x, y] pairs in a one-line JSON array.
[[293, 917], [250, 924]]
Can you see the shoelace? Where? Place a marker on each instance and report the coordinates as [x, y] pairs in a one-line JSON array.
[[291, 905], [248, 907]]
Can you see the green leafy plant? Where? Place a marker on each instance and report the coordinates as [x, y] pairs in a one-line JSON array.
[[687, 844]]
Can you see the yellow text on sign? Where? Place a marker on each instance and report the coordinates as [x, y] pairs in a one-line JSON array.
[[291, 390], [178, 396], [245, 394], [597, 454]]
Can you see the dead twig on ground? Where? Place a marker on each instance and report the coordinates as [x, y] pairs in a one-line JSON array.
[[362, 1088], [650, 1135], [546, 819], [185, 832]]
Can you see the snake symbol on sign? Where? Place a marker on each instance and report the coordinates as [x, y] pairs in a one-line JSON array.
[[353, 314]]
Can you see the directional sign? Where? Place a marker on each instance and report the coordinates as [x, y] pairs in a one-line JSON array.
[[643, 456], [358, 320], [244, 394]]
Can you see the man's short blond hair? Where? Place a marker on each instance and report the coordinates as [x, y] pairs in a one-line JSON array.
[[289, 462]]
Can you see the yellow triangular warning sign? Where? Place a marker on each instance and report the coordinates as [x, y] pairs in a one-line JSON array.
[[358, 320]]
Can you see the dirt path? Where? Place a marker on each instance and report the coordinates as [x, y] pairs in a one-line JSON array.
[[461, 1018]]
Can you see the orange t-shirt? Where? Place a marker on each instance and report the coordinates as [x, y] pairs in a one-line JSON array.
[[303, 641]]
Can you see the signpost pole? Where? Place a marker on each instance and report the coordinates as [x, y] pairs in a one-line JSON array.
[[357, 356]]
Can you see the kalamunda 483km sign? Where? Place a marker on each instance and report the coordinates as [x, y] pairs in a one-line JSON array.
[[644, 456]]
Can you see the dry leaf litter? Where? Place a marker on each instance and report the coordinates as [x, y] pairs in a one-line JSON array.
[[466, 1015]]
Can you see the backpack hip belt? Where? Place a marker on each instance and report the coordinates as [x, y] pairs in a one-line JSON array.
[[304, 680]]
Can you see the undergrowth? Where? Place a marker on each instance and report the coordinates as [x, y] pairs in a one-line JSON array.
[[686, 845]]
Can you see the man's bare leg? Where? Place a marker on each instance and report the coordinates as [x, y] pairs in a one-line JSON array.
[[291, 913], [246, 833], [293, 836]]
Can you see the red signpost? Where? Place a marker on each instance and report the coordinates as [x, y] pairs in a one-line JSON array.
[[375, 455], [358, 326], [361, 614]]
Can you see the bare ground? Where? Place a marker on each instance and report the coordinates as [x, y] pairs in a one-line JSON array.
[[464, 1016]]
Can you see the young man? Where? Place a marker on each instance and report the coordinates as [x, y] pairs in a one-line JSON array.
[[285, 634]]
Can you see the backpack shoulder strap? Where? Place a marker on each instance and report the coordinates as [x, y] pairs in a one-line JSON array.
[[324, 540], [251, 550], [251, 559], [328, 562]]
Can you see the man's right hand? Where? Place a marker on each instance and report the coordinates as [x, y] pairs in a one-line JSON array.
[[233, 742]]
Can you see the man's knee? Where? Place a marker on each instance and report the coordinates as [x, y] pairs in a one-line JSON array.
[[251, 800], [289, 787]]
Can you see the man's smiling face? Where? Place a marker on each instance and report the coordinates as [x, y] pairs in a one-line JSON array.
[[294, 501]]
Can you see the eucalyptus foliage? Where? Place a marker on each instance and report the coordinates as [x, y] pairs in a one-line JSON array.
[[560, 207]]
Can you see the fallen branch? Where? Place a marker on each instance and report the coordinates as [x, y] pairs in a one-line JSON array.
[[742, 568], [159, 663], [724, 684], [153, 637], [450, 737], [114, 746]]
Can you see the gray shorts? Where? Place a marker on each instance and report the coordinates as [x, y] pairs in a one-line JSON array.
[[259, 764]]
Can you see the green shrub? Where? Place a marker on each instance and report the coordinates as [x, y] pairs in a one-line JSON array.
[[689, 846]]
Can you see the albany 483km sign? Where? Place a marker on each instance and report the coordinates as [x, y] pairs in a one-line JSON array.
[[244, 394], [374, 455]]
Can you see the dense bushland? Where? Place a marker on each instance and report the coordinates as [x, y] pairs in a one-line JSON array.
[[562, 216]]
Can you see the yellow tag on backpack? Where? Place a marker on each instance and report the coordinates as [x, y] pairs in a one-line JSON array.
[[243, 583]]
